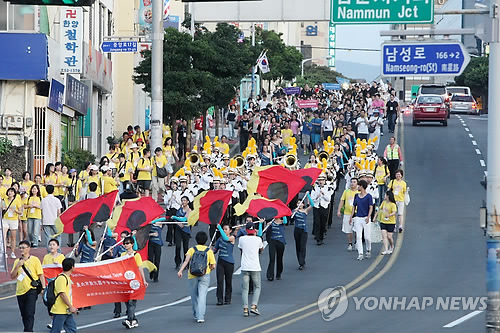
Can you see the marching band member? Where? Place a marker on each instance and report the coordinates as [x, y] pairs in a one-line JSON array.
[[172, 201], [321, 195]]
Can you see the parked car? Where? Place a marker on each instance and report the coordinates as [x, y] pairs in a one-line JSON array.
[[436, 89], [430, 108], [463, 103]]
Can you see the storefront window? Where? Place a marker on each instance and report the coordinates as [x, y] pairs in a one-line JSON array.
[[3, 15], [21, 17]]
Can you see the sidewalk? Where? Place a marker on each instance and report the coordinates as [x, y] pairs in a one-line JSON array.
[[9, 285]]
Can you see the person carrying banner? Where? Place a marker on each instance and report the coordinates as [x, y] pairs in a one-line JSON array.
[[63, 309]]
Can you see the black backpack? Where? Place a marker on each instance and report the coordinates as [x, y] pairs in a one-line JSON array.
[[49, 295], [199, 262]]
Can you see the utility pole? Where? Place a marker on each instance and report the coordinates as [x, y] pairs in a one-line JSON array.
[[157, 76], [493, 176], [252, 95]]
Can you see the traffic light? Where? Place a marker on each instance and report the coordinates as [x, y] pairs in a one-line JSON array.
[[76, 3]]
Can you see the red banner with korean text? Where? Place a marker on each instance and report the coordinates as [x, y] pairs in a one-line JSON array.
[[108, 281], [307, 103]]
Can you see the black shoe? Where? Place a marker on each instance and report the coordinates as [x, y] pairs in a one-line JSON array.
[[329, 227], [170, 244], [155, 280], [319, 242], [301, 267], [270, 279], [177, 267], [117, 315], [220, 303], [278, 277], [227, 302]]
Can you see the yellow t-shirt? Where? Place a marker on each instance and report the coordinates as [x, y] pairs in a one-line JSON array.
[[387, 208], [380, 173], [109, 184], [43, 191], [168, 151], [11, 214], [112, 156], [137, 257], [61, 180], [33, 266], [26, 185], [399, 189], [8, 181], [141, 135], [33, 212], [286, 134], [52, 180], [348, 197], [144, 175], [210, 255], [62, 285], [3, 193], [49, 259], [224, 147], [158, 161], [95, 179], [126, 170], [24, 215]]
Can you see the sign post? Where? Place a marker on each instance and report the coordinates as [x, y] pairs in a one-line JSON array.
[[424, 58], [119, 46], [377, 11]]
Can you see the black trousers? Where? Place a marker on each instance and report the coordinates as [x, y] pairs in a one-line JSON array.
[[170, 227], [182, 149], [300, 245], [393, 167], [320, 220], [224, 275], [118, 307], [243, 141], [276, 251], [154, 255], [27, 306], [181, 239]]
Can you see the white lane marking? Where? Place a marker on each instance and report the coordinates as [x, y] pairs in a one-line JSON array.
[[154, 308], [474, 143], [462, 319], [473, 118], [478, 152], [483, 164], [467, 129], [465, 125], [459, 117], [471, 136]]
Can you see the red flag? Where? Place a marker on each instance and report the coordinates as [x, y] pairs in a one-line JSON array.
[[210, 207], [263, 208], [309, 175], [275, 182], [115, 280], [86, 212], [137, 215]]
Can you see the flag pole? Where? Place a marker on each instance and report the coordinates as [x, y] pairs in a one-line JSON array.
[[213, 237], [101, 241], [72, 253], [112, 247], [301, 201]]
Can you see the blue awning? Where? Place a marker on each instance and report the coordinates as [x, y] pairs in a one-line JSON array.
[[24, 56]]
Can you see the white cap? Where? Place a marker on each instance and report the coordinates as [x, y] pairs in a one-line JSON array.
[[94, 167]]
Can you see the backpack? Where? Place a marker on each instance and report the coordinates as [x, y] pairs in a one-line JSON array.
[[199, 262], [49, 296]]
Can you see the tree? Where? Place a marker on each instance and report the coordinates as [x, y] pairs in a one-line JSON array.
[[318, 75], [475, 76]]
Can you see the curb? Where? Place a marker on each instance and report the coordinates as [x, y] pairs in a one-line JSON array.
[[8, 287]]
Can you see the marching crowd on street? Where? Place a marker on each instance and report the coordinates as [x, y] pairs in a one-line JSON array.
[[360, 183]]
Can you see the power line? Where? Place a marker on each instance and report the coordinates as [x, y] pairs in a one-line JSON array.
[[338, 48]]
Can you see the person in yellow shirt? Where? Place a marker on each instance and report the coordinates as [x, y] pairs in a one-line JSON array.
[[199, 284], [131, 321], [25, 185], [141, 145], [13, 207], [95, 178], [33, 211], [38, 181], [49, 176], [3, 189], [125, 171], [382, 174], [23, 219], [387, 219], [138, 134], [286, 134], [158, 183], [62, 311], [54, 256], [8, 179], [112, 156], [399, 188], [224, 147], [134, 155], [109, 184], [144, 167], [25, 291], [127, 148], [346, 204], [170, 154]]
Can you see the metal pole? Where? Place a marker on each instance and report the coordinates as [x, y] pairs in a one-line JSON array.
[[191, 9], [253, 67], [493, 176], [157, 75]]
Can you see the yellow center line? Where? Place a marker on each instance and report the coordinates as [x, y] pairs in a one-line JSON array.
[[386, 268], [6, 297]]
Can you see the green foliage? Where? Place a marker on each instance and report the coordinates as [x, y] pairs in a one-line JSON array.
[[475, 76], [5, 146], [77, 158], [199, 73], [14, 158], [318, 75], [284, 61]]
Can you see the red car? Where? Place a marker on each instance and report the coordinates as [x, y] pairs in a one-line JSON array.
[[430, 108]]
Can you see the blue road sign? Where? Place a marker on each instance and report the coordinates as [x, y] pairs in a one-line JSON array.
[[331, 86], [113, 46], [424, 58]]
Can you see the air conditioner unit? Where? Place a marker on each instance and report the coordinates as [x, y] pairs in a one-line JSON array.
[[12, 121]]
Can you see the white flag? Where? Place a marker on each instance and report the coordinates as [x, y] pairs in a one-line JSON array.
[[263, 64]]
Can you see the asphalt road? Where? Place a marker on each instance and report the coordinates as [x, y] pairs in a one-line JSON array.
[[441, 253]]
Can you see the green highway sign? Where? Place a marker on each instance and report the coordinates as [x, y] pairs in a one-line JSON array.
[[381, 11]]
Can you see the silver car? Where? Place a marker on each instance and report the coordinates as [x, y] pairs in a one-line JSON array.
[[462, 103]]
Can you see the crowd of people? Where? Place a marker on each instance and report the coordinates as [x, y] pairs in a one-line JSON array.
[[340, 136]]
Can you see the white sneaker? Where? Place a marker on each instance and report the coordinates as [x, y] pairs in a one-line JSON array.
[[360, 257], [13, 255], [134, 324], [384, 253], [389, 252], [200, 321], [368, 255], [349, 247]]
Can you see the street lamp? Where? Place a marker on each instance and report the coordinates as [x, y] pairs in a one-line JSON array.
[[309, 59]]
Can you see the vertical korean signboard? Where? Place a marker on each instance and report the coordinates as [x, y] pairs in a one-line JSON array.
[[332, 36], [71, 39]]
